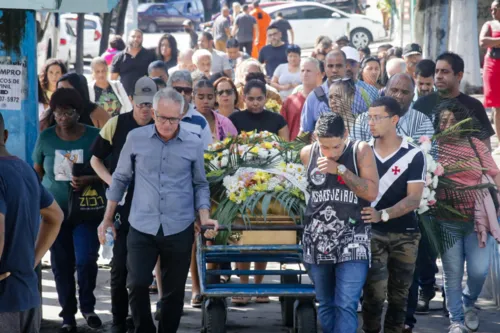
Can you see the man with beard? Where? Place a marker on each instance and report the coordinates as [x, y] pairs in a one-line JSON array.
[[317, 102], [424, 78], [274, 53], [132, 63], [109, 144], [449, 72], [412, 123]]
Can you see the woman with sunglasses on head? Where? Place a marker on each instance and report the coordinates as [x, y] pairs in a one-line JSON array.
[[226, 96], [58, 150], [287, 76]]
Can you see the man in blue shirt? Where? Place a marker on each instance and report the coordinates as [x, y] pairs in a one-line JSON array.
[[170, 187], [22, 200]]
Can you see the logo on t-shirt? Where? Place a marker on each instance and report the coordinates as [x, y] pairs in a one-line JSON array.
[[63, 163], [317, 177]]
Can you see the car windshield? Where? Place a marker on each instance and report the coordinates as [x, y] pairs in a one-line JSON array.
[[143, 7]]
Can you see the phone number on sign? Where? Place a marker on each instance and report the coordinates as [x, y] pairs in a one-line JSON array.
[[9, 99]]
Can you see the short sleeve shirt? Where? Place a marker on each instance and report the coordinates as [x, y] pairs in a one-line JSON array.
[[283, 26], [245, 23], [22, 196], [131, 68], [265, 121], [220, 62], [57, 158], [286, 77], [407, 165], [273, 57], [221, 23]]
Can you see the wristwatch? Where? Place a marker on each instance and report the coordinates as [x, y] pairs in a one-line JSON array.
[[341, 169], [385, 216]]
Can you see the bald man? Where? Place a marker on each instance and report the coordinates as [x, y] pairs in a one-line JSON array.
[[184, 62]]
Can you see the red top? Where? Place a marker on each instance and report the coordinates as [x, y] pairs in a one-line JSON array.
[[291, 111]]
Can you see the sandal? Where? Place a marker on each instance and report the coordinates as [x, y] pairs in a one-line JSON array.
[[240, 300], [262, 299], [197, 301], [225, 279]]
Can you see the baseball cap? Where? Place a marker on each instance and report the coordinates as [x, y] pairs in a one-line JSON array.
[[145, 90], [351, 53], [187, 23], [412, 49], [343, 39]]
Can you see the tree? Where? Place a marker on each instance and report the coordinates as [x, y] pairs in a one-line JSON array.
[[106, 26], [80, 25], [432, 17], [120, 22]]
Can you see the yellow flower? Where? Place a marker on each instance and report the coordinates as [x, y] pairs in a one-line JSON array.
[[267, 145], [208, 157], [278, 188], [254, 150], [227, 140], [232, 197], [261, 176], [260, 187]]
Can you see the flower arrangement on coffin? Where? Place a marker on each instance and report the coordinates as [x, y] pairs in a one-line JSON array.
[[256, 174], [272, 105]]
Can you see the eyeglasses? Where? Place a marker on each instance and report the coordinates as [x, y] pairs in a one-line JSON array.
[[377, 119], [228, 92], [185, 90], [65, 113], [144, 105], [163, 120], [258, 99]]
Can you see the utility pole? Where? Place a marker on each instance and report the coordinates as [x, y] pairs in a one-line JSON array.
[[80, 27], [106, 25]]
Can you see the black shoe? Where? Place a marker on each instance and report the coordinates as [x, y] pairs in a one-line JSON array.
[[119, 328], [67, 329], [93, 320], [130, 323], [423, 303]]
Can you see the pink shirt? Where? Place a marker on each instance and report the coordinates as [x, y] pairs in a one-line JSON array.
[[109, 55], [223, 127]]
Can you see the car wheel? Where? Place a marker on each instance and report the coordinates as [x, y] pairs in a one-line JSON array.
[[152, 27], [360, 38]]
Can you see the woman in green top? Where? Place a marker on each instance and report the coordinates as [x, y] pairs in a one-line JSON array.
[[59, 148]]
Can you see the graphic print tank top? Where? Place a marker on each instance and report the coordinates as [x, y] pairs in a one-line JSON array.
[[333, 229]]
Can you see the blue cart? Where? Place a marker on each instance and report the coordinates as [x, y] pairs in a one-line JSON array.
[[298, 309]]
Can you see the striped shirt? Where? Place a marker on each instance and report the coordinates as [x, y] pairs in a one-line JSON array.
[[195, 123], [413, 124], [405, 166]]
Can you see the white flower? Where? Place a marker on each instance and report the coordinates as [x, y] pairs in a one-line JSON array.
[[423, 209], [426, 193], [225, 152], [223, 162], [426, 147], [273, 152], [431, 164], [432, 196], [263, 153], [435, 181], [272, 183], [410, 139]]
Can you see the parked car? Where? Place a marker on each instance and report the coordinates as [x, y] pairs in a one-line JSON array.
[[191, 9], [305, 17], [154, 17], [67, 43], [47, 24], [91, 35]]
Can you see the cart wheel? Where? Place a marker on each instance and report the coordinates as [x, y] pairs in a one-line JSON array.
[[305, 319], [214, 317], [287, 302]]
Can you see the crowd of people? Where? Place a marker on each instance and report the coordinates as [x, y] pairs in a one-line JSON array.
[[139, 129]]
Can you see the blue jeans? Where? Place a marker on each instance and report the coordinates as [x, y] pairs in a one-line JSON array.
[[75, 246], [338, 289], [478, 262]]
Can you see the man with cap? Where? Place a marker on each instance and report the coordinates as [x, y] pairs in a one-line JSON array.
[[343, 41], [193, 36], [108, 145], [367, 91], [412, 54]]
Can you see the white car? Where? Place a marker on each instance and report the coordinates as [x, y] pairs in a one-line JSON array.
[[67, 43], [92, 33], [47, 36], [310, 19]]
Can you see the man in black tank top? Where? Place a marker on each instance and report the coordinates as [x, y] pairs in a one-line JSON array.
[[342, 179], [395, 234], [107, 147]]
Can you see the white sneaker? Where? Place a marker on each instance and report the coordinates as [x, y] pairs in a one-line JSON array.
[[457, 328], [471, 318]]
